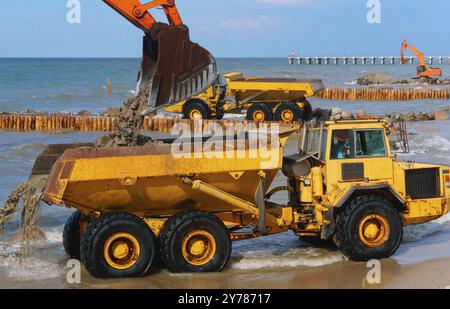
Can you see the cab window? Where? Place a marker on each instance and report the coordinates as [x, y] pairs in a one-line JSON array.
[[370, 143], [341, 144]]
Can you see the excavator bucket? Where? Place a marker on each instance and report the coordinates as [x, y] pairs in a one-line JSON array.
[[173, 68], [44, 162]]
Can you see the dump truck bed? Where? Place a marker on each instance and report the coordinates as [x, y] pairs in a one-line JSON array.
[[268, 89], [145, 180]]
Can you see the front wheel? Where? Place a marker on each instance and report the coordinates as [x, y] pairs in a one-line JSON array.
[[368, 228], [195, 110]]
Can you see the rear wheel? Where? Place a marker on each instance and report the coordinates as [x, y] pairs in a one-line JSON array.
[[195, 241], [196, 109], [71, 236], [118, 245], [259, 112], [288, 112], [368, 228]]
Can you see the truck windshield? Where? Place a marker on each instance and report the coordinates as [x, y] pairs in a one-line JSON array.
[[370, 143]]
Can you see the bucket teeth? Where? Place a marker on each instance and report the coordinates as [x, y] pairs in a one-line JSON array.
[[194, 84]]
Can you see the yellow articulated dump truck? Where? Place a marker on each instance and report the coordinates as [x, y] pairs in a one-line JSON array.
[[134, 205], [264, 99]]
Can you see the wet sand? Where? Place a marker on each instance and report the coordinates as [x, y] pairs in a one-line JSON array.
[[432, 274]]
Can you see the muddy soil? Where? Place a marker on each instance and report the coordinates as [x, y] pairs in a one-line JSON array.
[[129, 124], [28, 195]]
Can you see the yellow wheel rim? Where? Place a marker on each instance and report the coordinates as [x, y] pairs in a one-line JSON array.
[[373, 231], [258, 116], [195, 114], [198, 247], [287, 115], [121, 251]]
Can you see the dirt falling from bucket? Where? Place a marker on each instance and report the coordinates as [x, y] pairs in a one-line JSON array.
[[9, 209], [29, 196], [129, 123]]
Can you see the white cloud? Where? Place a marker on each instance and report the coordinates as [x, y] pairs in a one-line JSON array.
[[256, 23]]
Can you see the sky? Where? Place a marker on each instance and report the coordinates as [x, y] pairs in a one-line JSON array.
[[231, 28]]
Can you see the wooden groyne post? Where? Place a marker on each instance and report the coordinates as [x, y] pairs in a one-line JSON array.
[[382, 94]]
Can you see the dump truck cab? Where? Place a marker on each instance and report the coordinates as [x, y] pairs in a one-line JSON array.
[[209, 104], [346, 181]]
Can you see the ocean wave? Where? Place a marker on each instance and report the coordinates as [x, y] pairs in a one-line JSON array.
[[351, 83], [309, 257], [281, 250], [415, 233], [426, 144], [21, 152], [46, 258]]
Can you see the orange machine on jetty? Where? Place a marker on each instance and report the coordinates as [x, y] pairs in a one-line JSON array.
[[422, 69]]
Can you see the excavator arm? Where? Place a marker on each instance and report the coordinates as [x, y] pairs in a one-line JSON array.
[[173, 68], [422, 69], [138, 14], [414, 50]]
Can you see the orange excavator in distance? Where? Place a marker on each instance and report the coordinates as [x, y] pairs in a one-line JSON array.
[[173, 68], [423, 70]]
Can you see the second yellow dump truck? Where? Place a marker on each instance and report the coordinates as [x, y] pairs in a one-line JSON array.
[[344, 184], [264, 99]]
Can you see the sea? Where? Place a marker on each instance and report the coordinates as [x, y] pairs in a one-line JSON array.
[[73, 85]]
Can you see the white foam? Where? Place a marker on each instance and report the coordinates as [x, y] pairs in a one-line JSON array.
[[310, 257], [351, 83], [281, 250], [45, 259], [424, 145], [414, 233]]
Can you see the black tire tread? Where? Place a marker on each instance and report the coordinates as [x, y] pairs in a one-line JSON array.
[[197, 104], [170, 228], [298, 115], [71, 236], [340, 238], [93, 228], [260, 106]]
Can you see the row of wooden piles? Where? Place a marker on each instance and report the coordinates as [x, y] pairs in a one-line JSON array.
[[382, 94], [23, 122]]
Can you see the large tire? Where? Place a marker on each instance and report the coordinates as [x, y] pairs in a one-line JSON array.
[[118, 245], [288, 112], [195, 241], [196, 109], [259, 112], [71, 236], [368, 228]]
